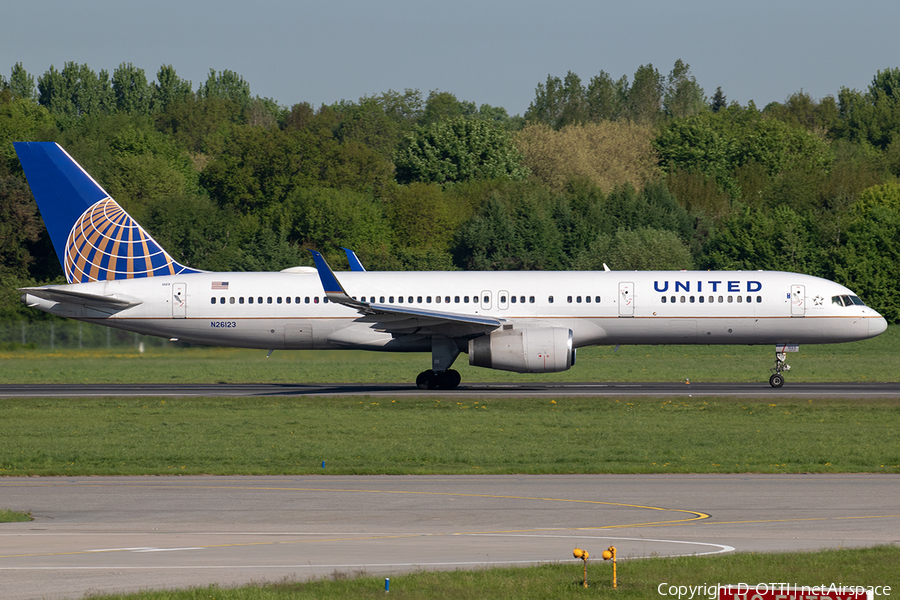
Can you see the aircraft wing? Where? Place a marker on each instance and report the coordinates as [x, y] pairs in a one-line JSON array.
[[115, 302], [392, 318]]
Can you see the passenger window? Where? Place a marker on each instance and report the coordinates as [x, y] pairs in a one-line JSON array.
[[758, 299], [400, 299], [701, 299], [730, 299], [531, 299], [410, 299], [437, 299], [325, 300], [428, 300], [278, 300], [231, 300], [587, 299], [578, 299], [241, 300], [222, 300], [465, 299], [250, 300], [692, 299], [456, 299], [316, 300], [712, 299], [381, 299], [672, 299], [212, 300], [447, 299], [569, 299], [419, 299], [511, 299], [391, 299], [682, 299], [269, 300], [720, 299], [740, 299], [259, 300], [305, 300], [550, 299], [663, 299]]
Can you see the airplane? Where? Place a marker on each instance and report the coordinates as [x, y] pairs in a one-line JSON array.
[[525, 322]]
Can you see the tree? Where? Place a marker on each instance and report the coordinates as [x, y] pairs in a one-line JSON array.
[[608, 153], [643, 249], [21, 84], [168, 88], [558, 102], [226, 85], [605, 98], [443, 105], [74, 92], [19, 226], [683, 96], [718, 101], [645, 95], [132, 92], [458, 150]]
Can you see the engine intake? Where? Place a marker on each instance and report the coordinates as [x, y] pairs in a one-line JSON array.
[[525, 350]]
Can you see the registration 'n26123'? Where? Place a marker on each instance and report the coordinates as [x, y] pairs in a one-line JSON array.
[[224, 324]]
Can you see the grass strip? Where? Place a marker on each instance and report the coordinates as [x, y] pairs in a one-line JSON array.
[[866, 567], [14, 516], [364, 435], [871, 360]]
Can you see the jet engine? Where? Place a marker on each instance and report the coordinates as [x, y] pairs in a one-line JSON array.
[[524, 350]]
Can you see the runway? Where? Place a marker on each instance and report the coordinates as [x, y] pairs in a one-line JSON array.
[[116, 534], [466, 390]]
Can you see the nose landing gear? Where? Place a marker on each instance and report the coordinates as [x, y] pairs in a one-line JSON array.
[[777, 379]]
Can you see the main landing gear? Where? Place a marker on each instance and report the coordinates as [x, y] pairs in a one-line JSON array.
[[777, 379], [440, 380], [444, 351]]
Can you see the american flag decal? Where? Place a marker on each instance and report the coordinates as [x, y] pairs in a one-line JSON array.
[[220, 285]]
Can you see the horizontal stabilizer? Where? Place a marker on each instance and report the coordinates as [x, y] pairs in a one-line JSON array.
[[60, 294]]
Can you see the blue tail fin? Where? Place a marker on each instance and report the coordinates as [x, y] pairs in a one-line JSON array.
[[94, 238]]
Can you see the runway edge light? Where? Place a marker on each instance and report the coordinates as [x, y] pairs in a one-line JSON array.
[[610, 553], [583, 555]]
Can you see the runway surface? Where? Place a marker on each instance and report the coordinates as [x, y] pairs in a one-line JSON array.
[[113, 534], [479, 390]]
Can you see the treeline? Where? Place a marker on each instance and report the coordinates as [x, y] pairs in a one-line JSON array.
[[646, 173]]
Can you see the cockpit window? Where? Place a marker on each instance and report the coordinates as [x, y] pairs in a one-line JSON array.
[[847, 301]]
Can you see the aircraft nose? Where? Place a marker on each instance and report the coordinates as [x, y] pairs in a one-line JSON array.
[[877, 326]]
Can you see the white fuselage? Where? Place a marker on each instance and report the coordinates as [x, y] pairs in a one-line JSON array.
[[289, 310]]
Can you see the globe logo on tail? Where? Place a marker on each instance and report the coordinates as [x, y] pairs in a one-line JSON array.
[[106, 243]]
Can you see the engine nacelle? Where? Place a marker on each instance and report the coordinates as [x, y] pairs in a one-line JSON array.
[[525, 350]]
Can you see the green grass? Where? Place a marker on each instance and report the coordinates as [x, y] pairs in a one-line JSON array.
[[877, 359], [867, 567], [13, 516], [365, 435]]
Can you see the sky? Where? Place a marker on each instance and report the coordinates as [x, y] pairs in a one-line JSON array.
[[482, 51]]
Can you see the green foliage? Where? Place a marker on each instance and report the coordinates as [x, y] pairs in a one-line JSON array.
[[19, 226], [869, 261], [21, 83], [645, 249], [458, 150], [226, 85], [327, 219], [21, 119], [168, 88], [133, 93], [75, 92]]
